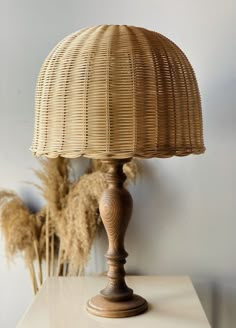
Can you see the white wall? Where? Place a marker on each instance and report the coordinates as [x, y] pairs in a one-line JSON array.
[[184, 218]]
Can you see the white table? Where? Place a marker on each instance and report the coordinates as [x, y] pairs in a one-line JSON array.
[[173, 303]]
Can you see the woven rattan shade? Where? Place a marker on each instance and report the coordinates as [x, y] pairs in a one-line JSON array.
[[117, 91]]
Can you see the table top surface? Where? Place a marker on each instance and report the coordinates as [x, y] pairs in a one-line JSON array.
[[61, 302]]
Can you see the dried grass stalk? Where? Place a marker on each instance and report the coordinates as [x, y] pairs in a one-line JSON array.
[[77, 225], [19, 231], [59, 262], [63, 231], [33, 277], [47, 245], [54, 179], [18, 226], [52, 255], [40, 273]]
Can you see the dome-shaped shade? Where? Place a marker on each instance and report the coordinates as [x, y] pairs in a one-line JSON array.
[[117, 91]]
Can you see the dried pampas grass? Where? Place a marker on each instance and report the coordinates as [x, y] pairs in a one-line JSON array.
[[17, 225], [78, 225], [62, 232], [54, 183], [19, 230]]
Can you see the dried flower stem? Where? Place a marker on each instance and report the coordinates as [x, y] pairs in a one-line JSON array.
[[33, 277], [40, 274], [52, 255], [61, 233], [59, 264], [65, 269], [47, 244]]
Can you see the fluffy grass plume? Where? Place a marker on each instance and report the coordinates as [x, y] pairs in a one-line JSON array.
[[70, 215], [18, 226], [79, 222], [54, 183]]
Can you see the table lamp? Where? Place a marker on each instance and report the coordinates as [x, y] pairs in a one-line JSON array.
[[113, 92]]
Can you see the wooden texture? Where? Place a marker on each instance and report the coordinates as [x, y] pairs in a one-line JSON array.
[[101, 307], [116, 299], [117, 91], [173, 303], [115, 208]]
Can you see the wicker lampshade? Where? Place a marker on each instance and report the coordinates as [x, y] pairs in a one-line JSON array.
[[117, 91]]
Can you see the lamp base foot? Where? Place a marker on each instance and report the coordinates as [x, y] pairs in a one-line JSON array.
[[102, 307]]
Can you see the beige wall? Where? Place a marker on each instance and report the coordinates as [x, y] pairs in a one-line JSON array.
[[184, 218]]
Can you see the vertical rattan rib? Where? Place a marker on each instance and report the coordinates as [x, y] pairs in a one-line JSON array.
[[117, 91]]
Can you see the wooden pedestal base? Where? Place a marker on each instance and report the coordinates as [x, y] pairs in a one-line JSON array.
[[101, 307], [116, 300]]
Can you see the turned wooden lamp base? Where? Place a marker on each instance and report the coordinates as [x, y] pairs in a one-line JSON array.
[[101, 307], [116, 300]]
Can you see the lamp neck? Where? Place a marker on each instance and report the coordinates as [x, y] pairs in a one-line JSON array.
[[115, 175]]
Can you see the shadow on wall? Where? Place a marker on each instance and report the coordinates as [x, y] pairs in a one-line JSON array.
[[156, 201], [219, 301], [217, 294]]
